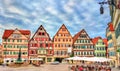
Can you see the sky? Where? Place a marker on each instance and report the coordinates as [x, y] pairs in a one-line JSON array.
[[75, 14]]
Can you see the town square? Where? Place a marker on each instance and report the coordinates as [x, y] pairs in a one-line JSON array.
[[59, 35]]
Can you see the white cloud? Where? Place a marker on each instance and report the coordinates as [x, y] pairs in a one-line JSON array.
[[52, 10], [69, 6], [14, 9]]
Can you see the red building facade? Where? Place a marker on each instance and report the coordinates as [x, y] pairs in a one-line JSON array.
[[41, 46]]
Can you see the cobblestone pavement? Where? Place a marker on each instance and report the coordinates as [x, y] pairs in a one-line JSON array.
[[46, 67]]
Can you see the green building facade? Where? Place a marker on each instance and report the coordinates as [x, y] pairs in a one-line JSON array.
[[100, 47]]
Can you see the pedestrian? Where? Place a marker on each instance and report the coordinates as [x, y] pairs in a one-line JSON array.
[[81, 68]]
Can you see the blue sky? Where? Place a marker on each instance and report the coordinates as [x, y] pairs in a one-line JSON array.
[[75, 14]]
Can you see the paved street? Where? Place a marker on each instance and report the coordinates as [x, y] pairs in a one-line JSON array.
[[46, 67], [60, 67]]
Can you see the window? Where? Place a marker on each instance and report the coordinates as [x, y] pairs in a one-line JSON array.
[[68, 45], [14, 46], [58, 45], [5, 46], [61, 45], [20, 40], [10, 53], [84, 53], [66, 39], [40, 28], [16, 35], [4, 40], [23, 53], [70, 40], [43, 33], [59, 34], [55, 39], [110, 45], [55, 45], [63, 40], [8, 40], [88, 41], [117, 31], [39, 33], [77, 41], [58, 39], [5, 52], [41, 45], [13, 40], [17, 40], [109, 37], [46, 45], [17, 46]]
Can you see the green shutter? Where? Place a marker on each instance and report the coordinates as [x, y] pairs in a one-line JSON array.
[[5, 46]]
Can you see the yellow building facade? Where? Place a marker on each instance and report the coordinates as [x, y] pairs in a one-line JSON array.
[[62, 42], [12, 41]]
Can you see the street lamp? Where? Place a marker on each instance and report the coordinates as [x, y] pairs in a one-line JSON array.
[[109, 2]]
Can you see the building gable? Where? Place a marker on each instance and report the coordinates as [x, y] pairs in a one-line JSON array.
[[81, 35], [17, 35], [41, 32], [63, 30], [8, 33]]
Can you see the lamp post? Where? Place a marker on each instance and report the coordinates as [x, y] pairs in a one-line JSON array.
[[109, 2]]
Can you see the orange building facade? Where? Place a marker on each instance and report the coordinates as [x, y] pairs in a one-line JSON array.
[[12, 41], [62, 43]]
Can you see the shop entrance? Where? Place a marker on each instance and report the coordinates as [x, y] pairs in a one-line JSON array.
[[59, 59]]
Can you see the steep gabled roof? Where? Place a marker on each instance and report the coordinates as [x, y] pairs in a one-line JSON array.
[[105, 41], [78, 34], [43, 29], [95, 40], [63, 25], [7, 33]]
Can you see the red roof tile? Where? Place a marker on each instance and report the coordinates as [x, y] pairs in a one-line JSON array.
[[105, 41], [78, 34], [111, 27], [7, 33], [95, 40]]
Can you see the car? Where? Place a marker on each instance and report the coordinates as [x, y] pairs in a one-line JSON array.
[[55, 63]]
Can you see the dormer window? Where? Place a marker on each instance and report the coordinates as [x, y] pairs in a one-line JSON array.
[[16, 35]]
